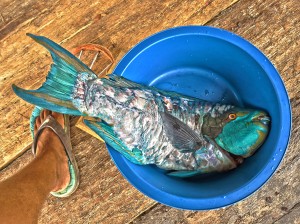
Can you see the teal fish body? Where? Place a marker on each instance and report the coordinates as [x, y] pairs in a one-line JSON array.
[[179, 133]]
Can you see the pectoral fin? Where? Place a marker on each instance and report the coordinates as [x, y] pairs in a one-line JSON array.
[[180, 135]]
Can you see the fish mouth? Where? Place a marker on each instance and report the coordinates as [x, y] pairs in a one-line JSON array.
[[262, 118]]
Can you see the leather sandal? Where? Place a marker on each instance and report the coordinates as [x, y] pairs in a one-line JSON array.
[[64, 136]]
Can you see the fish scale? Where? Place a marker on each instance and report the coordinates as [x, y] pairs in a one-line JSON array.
[[166, 155]]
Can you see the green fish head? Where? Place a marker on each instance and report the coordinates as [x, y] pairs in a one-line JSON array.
[[241, 132]]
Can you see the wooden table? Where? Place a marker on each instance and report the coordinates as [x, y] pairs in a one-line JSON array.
[[104, 196]]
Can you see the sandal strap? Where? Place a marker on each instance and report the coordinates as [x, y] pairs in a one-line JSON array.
[[64, 137]]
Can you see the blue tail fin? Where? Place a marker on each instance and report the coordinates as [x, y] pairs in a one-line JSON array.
[[57, 91]]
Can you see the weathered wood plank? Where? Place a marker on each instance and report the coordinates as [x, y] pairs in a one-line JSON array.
[[103, 195], [273, 27]]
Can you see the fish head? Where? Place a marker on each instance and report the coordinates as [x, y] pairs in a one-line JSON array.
[[238, 131]]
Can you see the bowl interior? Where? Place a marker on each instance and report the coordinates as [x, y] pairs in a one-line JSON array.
[[217, 66]]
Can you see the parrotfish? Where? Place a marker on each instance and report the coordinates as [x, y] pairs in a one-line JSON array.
[[184, 135]]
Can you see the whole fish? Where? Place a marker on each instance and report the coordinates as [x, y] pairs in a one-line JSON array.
[[182, 134]]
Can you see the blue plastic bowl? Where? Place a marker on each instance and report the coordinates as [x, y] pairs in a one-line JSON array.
[[214, 65]]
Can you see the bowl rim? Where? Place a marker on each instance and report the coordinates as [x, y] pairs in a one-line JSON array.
[[262, 177]]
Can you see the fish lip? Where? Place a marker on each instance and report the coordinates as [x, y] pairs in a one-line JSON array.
[[262, 118]]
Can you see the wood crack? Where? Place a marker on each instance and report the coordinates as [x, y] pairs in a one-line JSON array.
[[296, 206], [151, 207], [224, 11], [77, 31]]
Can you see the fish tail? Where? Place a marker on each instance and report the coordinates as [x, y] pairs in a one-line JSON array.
[[58, 92]]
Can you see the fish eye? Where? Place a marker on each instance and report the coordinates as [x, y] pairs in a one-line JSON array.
[[232, 116]]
